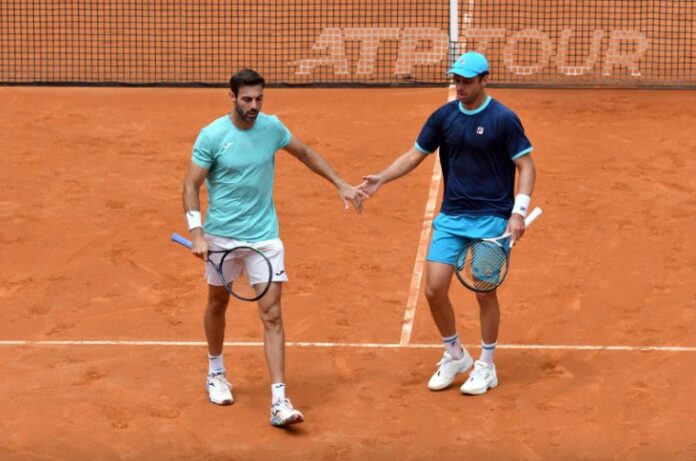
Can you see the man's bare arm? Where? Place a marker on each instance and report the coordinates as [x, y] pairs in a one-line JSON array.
[[191, 201], [320, 166]]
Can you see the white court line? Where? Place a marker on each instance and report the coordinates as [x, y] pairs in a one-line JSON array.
[[412, 302], [319, 345], [417, 276]]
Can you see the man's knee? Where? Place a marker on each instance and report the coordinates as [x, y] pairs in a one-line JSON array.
[[217, 302], [272, 318], [435, 292], [485, 299]]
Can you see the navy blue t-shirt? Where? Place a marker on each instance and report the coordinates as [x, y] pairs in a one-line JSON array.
[[477, 149]]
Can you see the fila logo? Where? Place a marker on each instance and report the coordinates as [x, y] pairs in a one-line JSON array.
[[479, 130]]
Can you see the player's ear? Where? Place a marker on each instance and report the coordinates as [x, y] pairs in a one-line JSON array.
[[232, 96]]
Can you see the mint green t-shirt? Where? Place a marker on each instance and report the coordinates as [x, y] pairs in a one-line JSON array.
[[241, 170]]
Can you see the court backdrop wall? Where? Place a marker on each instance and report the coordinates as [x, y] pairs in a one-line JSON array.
[[350, 43]]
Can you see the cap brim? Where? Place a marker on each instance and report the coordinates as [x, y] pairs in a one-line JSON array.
[[466, 73]]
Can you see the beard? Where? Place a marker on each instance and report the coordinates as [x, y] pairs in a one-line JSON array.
[[248, 116]]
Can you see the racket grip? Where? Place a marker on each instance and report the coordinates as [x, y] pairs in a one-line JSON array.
[[181, 240], [536, 212]]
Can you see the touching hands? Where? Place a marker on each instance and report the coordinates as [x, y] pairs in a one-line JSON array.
[[348, 193], [371, 183]]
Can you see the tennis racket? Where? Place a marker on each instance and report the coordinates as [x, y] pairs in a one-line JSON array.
[[483, 264], [245, 272]]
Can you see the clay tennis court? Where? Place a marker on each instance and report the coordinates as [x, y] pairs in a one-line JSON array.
[[101, 337]]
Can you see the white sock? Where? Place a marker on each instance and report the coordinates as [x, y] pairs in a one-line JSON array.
[[453, 346], [278, 391], [488, 352], [215, 364]]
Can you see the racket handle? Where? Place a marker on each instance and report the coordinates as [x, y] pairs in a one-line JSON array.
[[536, 212], [181, 240]]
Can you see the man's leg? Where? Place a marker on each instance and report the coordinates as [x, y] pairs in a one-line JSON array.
[[439, 276], [456, 359], [484, 375], [214, 318], [489, 316], [282, 411], [274, 334], [219, 389]]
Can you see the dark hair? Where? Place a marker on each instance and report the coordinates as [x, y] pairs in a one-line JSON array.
[[482, 74], [246, 77]]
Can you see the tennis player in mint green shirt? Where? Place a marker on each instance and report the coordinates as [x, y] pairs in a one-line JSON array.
[[241, 169], [235, 155]]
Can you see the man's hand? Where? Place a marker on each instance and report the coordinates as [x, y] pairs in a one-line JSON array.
[[199, 245], [370, 185], [348, 193], [516, 228]]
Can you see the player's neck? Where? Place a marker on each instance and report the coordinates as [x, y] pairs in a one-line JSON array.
[[239, 122], [476, 103]]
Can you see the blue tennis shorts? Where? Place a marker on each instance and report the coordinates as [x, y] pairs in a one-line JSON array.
[[452, 233]]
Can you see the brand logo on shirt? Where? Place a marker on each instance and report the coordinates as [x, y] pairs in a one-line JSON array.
[[227, 144], [479, 130]]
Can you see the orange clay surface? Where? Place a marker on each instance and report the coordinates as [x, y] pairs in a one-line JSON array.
[[90, 192]]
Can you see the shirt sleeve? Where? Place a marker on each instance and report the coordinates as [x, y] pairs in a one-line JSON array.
[[283, 133], [430, 137], [202, 151], [516, 141]]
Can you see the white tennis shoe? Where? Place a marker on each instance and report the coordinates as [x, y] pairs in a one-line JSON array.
[[219, 389], [481, 379], [284, 414], [448, 369]]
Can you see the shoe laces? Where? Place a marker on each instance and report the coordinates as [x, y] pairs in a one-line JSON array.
[[285, 403], [282, 407], [480, 367], [219, 378], [446, 358]]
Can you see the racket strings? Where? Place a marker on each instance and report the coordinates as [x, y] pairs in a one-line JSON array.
[[482, 266], [257, 269], [247, 273]]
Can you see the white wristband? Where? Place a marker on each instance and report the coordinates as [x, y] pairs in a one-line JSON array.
[[521, 204], [193, 218]]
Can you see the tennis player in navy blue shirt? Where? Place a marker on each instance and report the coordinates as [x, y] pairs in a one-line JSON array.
[[482, 146]]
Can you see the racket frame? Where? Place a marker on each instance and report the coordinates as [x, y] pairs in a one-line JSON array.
[[536, 212], [181, 240]]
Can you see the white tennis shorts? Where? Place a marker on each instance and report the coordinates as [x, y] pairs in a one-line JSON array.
[[273, 249]]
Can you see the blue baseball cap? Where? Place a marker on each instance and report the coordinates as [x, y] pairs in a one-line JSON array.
[[469, 65]]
